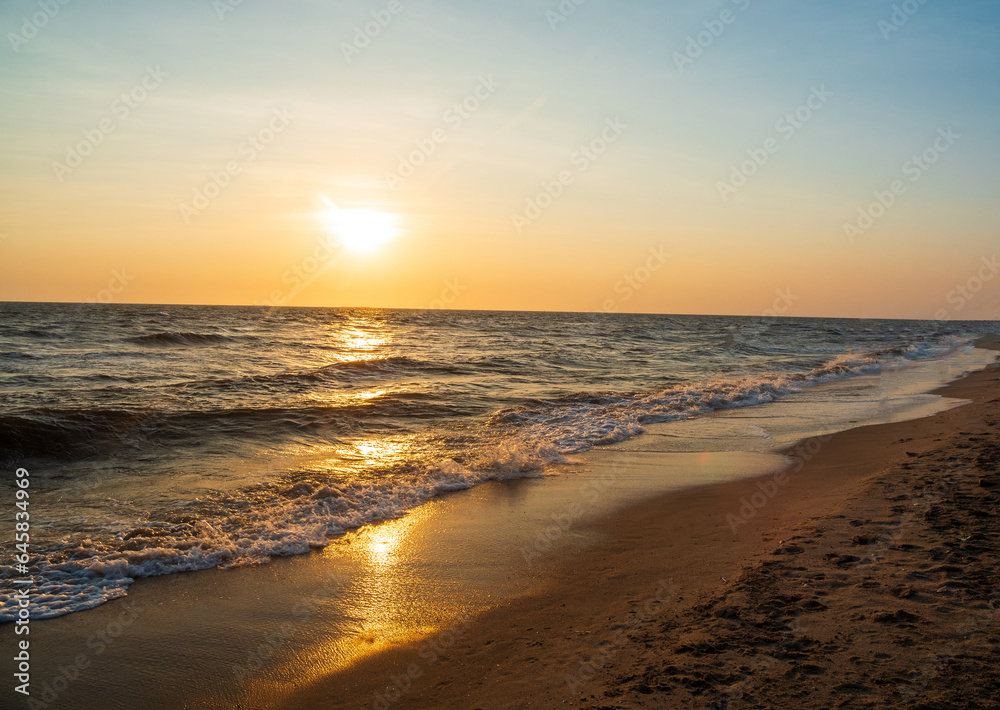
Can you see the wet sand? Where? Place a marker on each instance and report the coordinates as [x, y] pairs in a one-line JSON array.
[[868, 579]]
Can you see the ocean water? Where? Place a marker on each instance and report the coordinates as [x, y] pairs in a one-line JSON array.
[[163, 439]]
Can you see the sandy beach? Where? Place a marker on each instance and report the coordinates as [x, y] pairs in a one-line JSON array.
[[868, 579], [856, 569]]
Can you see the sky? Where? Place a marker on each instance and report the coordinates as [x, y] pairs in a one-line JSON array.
[[737, 157]]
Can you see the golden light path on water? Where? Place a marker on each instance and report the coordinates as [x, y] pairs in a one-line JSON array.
[[385, 599], [360, 341], [384, 596]]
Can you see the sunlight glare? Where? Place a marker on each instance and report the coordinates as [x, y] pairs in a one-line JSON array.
[[360, 230]]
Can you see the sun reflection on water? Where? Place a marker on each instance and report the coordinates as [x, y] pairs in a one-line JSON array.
[[360, 340]]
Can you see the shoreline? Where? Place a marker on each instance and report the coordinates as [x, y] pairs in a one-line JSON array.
[[572, 607], [636, 621]]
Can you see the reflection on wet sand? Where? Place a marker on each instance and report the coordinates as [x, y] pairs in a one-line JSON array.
[[388, 600]]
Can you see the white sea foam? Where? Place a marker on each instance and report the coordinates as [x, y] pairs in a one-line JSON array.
[[86, 574]]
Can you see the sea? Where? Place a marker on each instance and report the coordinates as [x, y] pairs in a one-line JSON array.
[[167, 439]]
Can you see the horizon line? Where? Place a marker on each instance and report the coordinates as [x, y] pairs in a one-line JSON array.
[[504, 310]]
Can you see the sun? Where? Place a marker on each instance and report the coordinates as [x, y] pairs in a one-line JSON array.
[[360, 230]]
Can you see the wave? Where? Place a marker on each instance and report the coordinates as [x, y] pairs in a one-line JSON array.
[[184, 338], [60, 436], [252, 527], [69, 434], [580, 422], [32, 333], [395, 364], [345, 371], [571, 423]]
